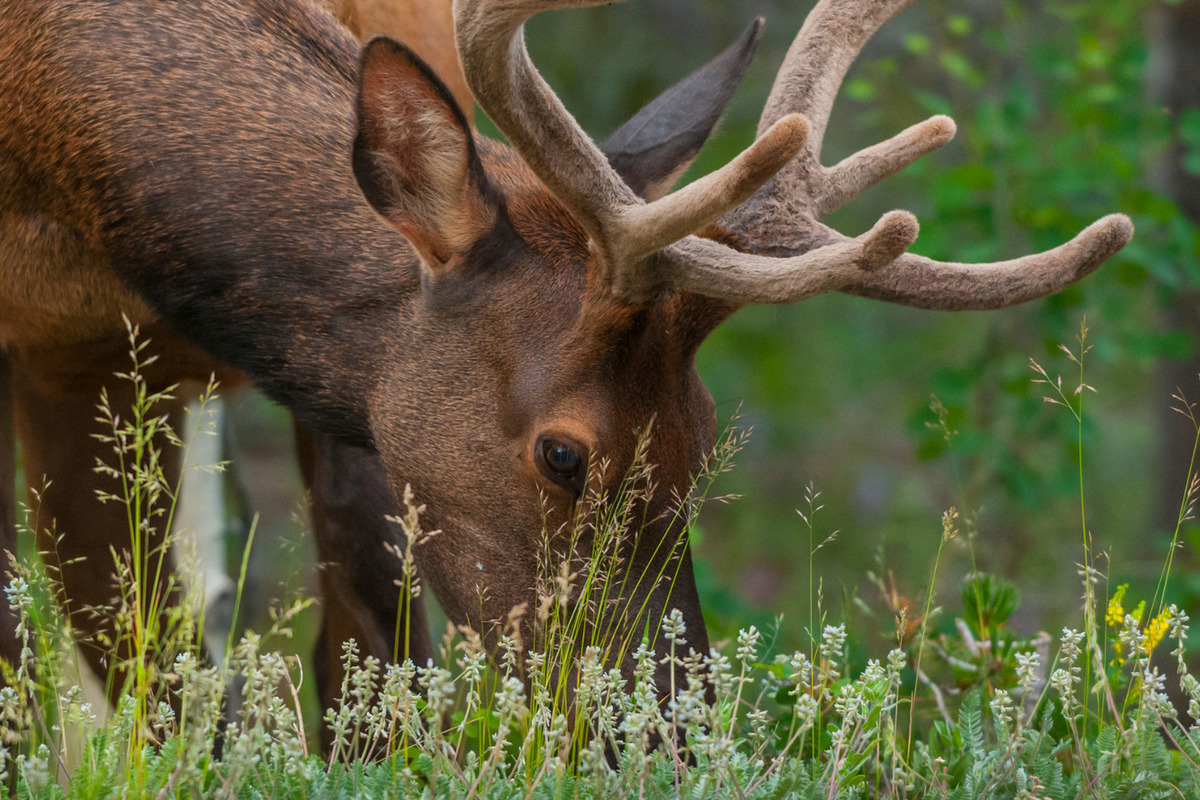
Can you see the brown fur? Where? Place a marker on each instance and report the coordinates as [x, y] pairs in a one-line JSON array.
[[537, 216], [61, 306], [196, 160], [57, 290]]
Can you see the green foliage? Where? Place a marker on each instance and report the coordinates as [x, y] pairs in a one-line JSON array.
[[988, 602], [787, 727], [1056, 127]]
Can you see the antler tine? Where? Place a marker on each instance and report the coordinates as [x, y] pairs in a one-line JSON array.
[[807, 83], [843, 181], [783, 214], [707, 268], [924, 283], [626, 229], [644, 229], [830, 39], [782, 217]]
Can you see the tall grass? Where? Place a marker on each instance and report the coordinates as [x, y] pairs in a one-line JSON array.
[[959, 708]]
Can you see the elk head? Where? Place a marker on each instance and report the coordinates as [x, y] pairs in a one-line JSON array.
[[562, 300]]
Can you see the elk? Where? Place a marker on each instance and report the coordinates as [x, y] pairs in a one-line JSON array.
[[349, 493], [267, 198]]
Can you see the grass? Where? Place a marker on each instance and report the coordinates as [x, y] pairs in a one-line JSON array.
[[963, 706]]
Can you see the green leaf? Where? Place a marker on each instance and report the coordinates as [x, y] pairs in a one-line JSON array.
[[970, 722], [961, 69], [958, 24], [860, 89], [1191, 163], [988, 602], [917, 44], [1189, 125], [933, 103]]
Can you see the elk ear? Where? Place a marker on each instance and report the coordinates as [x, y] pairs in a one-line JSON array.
[[414, 156], [657, 145]]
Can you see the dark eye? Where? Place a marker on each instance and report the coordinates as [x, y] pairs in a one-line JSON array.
[[562, 461]]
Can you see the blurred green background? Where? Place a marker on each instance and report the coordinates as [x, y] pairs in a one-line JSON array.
[[1066, 111]]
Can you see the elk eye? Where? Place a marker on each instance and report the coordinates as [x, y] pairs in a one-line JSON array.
[[563, 461]]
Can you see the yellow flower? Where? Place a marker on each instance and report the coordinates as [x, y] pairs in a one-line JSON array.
[[1115, 615], [1156, 629]]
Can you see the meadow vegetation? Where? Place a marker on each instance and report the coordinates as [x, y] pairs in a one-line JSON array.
[[962, 705], [942, 687]]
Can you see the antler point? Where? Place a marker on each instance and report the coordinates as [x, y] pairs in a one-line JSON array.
[[941, 128], [888, 239], [1101, 240], [1119, 227], [901, 225], [787, 136]]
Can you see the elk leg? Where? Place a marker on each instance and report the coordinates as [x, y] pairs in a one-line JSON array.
[[359, 574], [10, 648], [200, 523], [77, 534]]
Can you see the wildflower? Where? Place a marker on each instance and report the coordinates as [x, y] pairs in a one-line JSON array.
[[673, 625], [402, 674], [1178, 633], [509, 699], [644, 661], [833, 640], [473, 664], [166, 714], [1063, 682], [440, 691], [850, 705], [19, 595], [1066, 678], [1002, 712], [1156, 629], [1115, 614], [748, 644], [76, 710], [719, 671], [1132, 639], [558, 735], [897, 660], [1154, 693], [807, 710], [1191, 688], [593, 763], [759, 721], [1070, 649], [1027, 671], [14, 716], [35, 769], [873, 673], [508, 653], [591, 678], [688, 704], [802, 672]]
